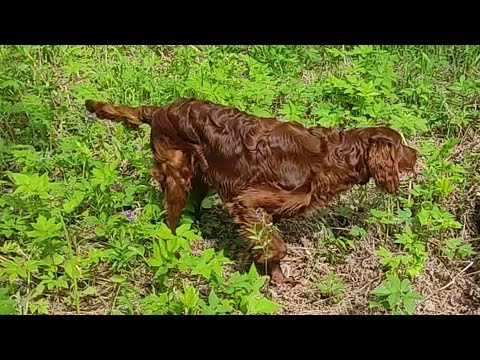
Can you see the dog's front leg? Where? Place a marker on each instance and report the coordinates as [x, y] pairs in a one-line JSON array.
[[265, 240]]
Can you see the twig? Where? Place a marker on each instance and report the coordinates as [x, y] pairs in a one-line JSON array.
[[197, 49], [340, 228], [473, 273], [364, 286], [451, 282], [312, 312], [302, 248]]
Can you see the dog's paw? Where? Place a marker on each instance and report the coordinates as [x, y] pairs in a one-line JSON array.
[[278, 278]]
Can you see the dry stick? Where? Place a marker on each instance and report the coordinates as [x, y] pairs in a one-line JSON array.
[[196, 49], [451, 282], [370, 283], [473, 273], [302, 248], [340, 228]]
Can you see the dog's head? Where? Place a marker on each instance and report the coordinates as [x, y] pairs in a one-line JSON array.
[[389, 160]]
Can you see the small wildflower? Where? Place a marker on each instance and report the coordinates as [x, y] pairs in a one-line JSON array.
[[48, 155], [130, 215]]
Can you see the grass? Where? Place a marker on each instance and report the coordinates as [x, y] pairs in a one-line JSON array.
[[81, 223]]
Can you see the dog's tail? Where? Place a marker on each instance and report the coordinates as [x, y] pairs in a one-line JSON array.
[[133, 116]]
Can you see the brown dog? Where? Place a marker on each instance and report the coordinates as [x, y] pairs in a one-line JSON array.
[[260, 167]]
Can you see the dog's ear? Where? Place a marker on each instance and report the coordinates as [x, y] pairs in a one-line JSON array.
[[383, 164]]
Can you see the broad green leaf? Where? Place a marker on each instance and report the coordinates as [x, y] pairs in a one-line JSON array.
[[90, 290], [69, 267], [7, 307], [263, 306], [393, 299], [207, 203], [163, 232], [405, 285], [118, 278], [58, 259], [155, 262], [213, 299], [409, 305], [381, 290]]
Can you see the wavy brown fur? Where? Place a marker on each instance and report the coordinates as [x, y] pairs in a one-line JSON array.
[[281, 167]]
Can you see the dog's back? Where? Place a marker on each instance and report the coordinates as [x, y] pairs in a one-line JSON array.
[[234, 149]]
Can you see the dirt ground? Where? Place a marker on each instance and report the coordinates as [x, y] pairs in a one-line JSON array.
[[448, 287]]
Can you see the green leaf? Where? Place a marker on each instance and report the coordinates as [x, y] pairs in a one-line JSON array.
[[73, 203], [405, 285], [69, 267], [8, 233], [15, 84], [182, 229], [207, 203], [394, 282], [409, 305], [424, 217], [222, 309], [208, 311], [403, 215], [163, 232], [162, 270], [155, 262], [7, 307], [393, 299], [202, 269], [163, 249], [381, 290], [413, 295], [258, 283], [58, 259], [207, 254], [213, 299], [252, 272], [383, 252], [190, 297], [374, 304], [262, 306], [358, 231], [61, 283], [118, 279], [190, 235], [90, 290], [138, 250], [260, 112]]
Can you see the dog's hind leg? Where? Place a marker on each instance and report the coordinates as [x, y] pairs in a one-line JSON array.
[[175, 176]]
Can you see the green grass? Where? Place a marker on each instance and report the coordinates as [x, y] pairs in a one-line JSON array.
[[81, 224]]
